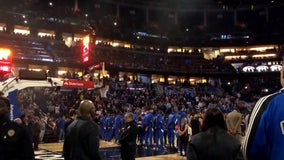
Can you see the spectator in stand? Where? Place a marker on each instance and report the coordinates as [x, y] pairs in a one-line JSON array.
[[61, 126], [214, 142], [264, 138], [234, 120], [36, 132], [27, 124], [140, 130], [183, 134], [189, 132], [195, 123], [42, 129], [70, 119], [18, 120]]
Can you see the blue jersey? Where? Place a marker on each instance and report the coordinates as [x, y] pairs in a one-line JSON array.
[[159, 121], [265, 133], [118, 121], [178, 118], [134, 116], [171, 121], [103, 121], [149, 119], [109, 122]]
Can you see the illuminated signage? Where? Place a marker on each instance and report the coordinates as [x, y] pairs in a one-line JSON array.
[[262, 68], [5, 60], [73, 83], [86, 49], [248, 69], [5, 68], [5, 54], [85, 58], [275, 68]]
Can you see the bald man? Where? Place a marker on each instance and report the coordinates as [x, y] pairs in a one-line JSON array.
[[264, 138], [82, 137]]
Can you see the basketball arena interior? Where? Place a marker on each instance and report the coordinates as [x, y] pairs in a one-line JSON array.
[[134, 56]]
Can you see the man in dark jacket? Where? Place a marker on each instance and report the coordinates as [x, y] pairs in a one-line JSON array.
[[15, 141], [82, 138], [36, 132], [128, 138]]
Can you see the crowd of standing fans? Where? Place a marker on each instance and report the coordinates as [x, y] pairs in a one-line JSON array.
[[199, 121]]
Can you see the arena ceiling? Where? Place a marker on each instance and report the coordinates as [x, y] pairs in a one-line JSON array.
[[195, 3]]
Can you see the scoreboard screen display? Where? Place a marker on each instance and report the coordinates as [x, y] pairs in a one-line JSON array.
[[5, 60], [85, 51]]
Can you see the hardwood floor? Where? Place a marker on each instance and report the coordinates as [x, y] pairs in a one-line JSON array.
[[110, 148]]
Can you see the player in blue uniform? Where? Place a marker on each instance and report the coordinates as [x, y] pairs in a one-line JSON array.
[[171, 128], [159, 125], [103, 126], [264, 139], [118, 124], [148, 125], [109, 126]]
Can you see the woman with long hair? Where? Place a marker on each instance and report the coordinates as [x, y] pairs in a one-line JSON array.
[[183, 134], [214, 142]]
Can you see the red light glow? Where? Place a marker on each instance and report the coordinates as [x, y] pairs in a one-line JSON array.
[[85, 55], [5, 54], [5, 60]]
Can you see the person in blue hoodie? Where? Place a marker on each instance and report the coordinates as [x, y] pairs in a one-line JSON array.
[[264, 138]]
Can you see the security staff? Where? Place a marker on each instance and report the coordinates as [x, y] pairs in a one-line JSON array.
[[128, 138], [15, 141]]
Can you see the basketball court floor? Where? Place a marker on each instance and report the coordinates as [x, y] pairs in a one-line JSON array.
[[108, 150]]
